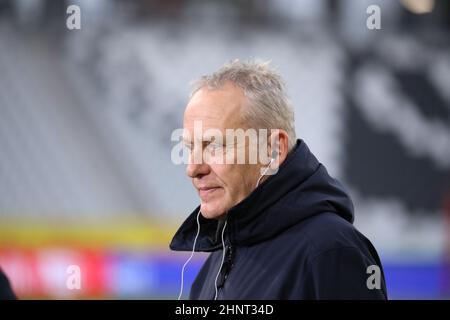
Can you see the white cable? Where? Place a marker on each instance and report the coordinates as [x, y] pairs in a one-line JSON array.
[[223, 259], [223, 245], [192, 254], [262, 174], [223, 232]]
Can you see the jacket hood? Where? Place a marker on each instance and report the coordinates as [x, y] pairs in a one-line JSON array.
[[300, 189]]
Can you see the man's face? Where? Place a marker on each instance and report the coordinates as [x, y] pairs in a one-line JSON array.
[[220, 185]]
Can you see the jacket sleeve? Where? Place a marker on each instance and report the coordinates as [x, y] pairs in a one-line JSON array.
[[346, 273]]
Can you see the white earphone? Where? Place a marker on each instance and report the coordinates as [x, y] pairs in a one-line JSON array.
[[190, 257], [264, 172], [272, 159]]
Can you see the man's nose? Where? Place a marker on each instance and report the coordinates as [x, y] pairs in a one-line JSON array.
[[195, 169]]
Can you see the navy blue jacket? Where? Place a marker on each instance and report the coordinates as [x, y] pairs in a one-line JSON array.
[[291, 238]]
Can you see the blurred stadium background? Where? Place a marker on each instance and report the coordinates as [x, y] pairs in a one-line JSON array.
[[86, 118]]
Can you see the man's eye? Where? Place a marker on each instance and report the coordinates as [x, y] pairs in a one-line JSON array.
[[215, 146]]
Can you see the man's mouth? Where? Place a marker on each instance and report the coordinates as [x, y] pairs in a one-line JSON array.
[[207, 191]]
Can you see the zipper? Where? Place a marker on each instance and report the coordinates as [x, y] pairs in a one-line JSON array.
[[228, 264]]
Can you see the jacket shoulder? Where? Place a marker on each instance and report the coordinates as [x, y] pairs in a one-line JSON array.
[[328, 231]]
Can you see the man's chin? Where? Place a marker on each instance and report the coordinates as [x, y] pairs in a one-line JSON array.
[[211, 213]]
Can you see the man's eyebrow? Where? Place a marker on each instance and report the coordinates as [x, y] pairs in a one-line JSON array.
[[205, 139], [213, 137], [209, 138]]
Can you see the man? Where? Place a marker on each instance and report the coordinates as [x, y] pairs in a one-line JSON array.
[[276, 230], [6, 292]]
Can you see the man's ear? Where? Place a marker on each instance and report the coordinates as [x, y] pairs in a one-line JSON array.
[[275, 148], [279, 146]]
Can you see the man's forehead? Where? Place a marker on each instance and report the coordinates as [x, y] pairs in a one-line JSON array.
[[215, 105], [211, 113], [207, 135], [209, 125]]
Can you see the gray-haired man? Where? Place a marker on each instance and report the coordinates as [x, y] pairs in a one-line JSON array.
[[276, 229]]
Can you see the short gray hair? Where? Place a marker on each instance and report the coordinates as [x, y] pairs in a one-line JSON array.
[[269, 106]]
